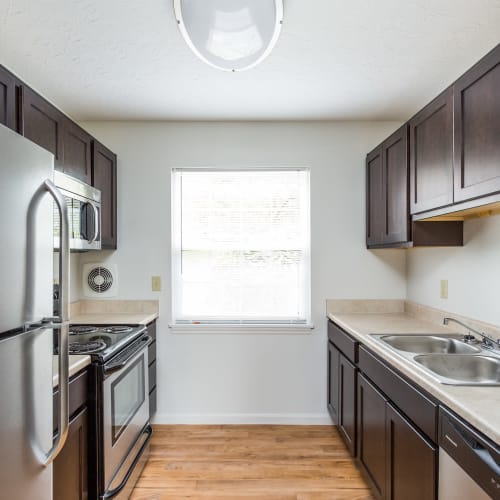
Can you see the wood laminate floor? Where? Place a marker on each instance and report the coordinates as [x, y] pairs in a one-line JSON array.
[[249, 462]]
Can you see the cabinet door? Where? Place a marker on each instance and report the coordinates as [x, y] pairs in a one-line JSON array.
[[104, 178], [77, 152], [411, 460], [431, 155], [375, 198], [347, 403], [43, 124], [333, 382], [372, 434], [70, 470], [8, 99], [477, 129], [395, 174]]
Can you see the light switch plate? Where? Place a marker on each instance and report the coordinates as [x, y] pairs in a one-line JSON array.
[[443, 289], [156, 283]]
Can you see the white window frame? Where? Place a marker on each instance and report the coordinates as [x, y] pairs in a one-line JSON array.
[[219, 325]]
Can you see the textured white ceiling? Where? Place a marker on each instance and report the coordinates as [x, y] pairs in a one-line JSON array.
[[350, 59]]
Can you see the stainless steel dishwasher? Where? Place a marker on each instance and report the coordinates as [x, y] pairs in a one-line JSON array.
[[469, 463]]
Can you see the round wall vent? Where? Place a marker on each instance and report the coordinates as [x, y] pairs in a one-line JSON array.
[[99, 280]]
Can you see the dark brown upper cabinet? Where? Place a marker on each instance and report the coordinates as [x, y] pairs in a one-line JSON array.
[[387, 192], [77, 160], [8, 99], [375, 203], [477, 129], [395, 166], [431, 155], [42, 123], [76, 153], [104, 178]]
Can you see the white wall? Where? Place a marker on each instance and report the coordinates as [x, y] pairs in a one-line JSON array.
[[472, 271], [234, 377]]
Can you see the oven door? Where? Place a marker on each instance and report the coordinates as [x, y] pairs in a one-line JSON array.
[[125, 411]]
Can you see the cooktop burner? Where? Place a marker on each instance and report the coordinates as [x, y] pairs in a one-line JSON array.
[[79, 329], [86, 347], [118, 329], [102, 342]]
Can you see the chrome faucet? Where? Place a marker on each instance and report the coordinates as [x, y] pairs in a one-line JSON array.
[[487, 341]]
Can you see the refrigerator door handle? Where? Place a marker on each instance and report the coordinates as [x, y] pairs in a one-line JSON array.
[[63, 326]]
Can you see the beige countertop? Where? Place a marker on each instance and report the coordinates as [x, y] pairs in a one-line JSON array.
[[480, 406], [76, 364], [114, 318]]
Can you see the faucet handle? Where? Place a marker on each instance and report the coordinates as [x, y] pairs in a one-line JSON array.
[[469, 339]]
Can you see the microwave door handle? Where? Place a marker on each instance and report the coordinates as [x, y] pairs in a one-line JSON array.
[[96, 223], [63, 326]]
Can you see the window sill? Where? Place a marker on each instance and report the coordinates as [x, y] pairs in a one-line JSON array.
[[243, 329]]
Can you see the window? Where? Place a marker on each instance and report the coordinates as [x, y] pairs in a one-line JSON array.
[[240, 246]]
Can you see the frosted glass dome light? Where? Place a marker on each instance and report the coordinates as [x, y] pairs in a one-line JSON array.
[[232, 35]]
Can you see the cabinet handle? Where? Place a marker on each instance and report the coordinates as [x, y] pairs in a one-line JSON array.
[[451, 440]]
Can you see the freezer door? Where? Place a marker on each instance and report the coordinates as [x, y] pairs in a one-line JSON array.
[[23, 169], [25, 415]]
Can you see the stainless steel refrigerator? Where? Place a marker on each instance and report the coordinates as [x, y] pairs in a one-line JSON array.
[[27, 444]]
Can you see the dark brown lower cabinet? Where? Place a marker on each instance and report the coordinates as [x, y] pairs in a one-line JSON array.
[[342, 395], [371, 435], [70, 468], [332, 382], [347, 402], [70, 472], [398, 460], [411, 460], [152, 368]]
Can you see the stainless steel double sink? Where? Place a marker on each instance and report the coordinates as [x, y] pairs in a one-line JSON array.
[[447, 358]]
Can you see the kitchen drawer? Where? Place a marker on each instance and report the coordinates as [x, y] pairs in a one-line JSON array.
[[152, 375], [343, 341], [418, 407], [77, 396], [152, 330], [152, 352], [152, 402]]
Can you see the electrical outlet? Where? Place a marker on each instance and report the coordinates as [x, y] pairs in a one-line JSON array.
[[156, 283], [443, 289]]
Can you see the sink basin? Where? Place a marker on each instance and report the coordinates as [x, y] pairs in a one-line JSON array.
[[427, 344], [463, 369]]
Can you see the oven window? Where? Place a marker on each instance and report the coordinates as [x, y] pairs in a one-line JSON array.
[[127, 396]]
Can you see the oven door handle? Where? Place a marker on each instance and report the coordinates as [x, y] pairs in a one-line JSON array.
[[117, 365], [110, 494]]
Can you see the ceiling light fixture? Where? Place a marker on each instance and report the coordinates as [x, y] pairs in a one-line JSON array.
[[231, 35]]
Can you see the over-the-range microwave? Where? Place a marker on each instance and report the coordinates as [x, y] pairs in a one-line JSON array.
[[84, 212]]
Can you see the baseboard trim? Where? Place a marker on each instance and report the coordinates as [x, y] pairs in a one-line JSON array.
[[243, 418]]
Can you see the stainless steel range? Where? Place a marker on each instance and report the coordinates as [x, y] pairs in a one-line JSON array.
[[120, 416]]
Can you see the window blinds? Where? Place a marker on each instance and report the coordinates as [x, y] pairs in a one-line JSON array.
[[241, 246]]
